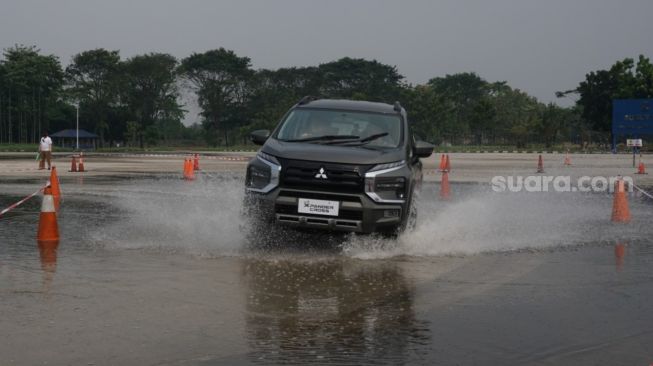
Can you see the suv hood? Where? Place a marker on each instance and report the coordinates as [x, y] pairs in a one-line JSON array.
[[331, 153]]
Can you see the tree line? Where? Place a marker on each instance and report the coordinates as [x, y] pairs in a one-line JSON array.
[[138, 100]]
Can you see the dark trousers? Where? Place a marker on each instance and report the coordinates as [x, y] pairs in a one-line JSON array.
[[45, 156]]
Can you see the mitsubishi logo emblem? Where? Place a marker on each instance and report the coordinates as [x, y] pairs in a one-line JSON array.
[[320, 174]]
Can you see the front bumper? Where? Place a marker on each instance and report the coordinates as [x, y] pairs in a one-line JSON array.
[[358, 213]]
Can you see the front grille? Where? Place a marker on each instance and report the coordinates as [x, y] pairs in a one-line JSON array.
[[319, 196], [341, 178], [342, 214]]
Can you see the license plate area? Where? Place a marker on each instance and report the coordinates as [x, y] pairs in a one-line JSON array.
[[318, 207]]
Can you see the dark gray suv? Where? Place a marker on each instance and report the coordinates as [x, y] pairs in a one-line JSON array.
[[337, 165]]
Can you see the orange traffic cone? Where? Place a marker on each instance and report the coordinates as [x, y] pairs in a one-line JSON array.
[[73, 165], [447, 164], [567, 159], [191, 172], [445, 191], [56, 191], [540, 165], [620, 211], [81, 163], [196, 162], [48, 228], [443, 163], [641, 169]]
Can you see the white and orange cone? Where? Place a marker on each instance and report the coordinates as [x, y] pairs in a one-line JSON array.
[[48, 228], [56, 191]]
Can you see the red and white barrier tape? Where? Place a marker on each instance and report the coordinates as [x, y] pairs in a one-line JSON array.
[[644, 192], [23, 200]]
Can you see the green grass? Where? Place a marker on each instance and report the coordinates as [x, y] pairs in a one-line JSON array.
[[27, 148]]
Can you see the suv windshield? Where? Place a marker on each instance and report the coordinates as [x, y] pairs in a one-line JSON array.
[[341, 127]]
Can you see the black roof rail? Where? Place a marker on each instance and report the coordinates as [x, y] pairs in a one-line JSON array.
[[307, 99], [397, 106]]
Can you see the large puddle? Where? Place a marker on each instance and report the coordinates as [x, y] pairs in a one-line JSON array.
[[156, 270]]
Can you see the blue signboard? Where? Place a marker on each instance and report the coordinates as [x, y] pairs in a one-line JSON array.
[[631, 118]]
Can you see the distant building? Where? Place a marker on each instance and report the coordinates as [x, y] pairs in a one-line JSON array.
[[68, 138]]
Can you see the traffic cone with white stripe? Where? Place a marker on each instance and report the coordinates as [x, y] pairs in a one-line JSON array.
[[56, 191], [48, 229]]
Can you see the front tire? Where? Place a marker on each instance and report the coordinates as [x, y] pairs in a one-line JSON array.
[[410, 222]]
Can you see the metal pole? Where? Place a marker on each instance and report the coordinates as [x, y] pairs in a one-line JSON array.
[[77, 144]]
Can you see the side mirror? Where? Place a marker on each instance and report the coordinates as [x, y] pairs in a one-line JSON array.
[[259, 136], [423, 149]]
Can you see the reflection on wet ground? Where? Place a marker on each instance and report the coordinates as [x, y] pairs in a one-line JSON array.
[[156, 271], [331, 310]]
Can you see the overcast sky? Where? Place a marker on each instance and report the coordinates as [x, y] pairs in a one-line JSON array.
[[537, 46]]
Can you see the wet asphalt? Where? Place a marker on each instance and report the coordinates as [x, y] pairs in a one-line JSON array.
[[152, 270]]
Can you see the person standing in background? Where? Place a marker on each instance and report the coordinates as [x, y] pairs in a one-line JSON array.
[[45, 151]]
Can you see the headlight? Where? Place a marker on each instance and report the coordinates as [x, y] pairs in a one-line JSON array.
[[382, 186], [386, 166], [258, 177], [268, 158], [263, 173]]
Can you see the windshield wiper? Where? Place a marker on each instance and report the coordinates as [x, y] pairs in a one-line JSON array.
[[374, 137], [325, 138], [362, 141]]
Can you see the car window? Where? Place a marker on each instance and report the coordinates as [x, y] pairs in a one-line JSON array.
[[309, 123]]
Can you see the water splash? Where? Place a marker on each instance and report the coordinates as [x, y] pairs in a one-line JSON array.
[[483, 221], [204, 218], [200, 217]]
